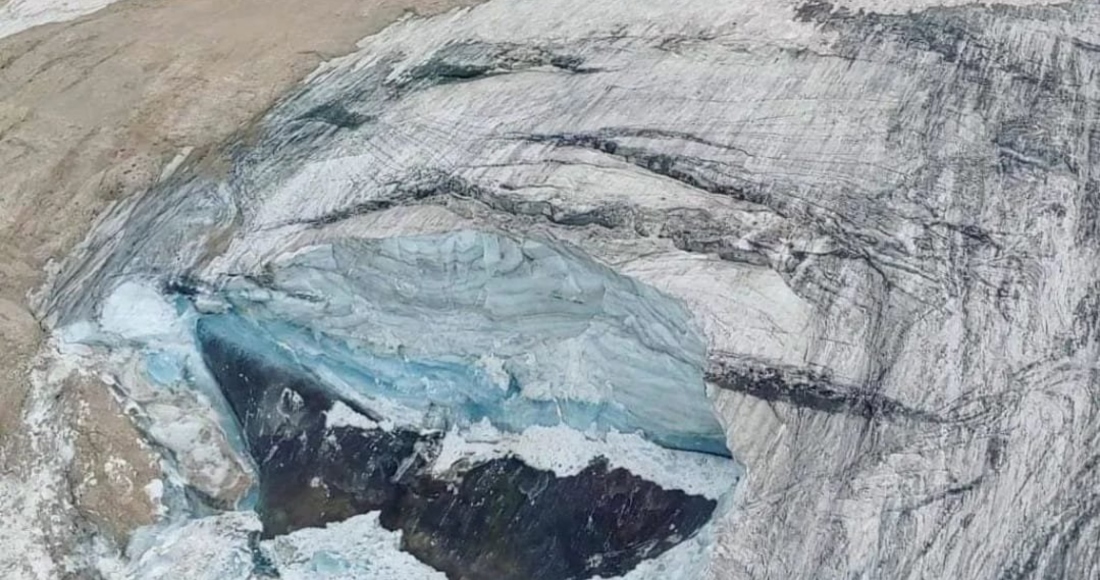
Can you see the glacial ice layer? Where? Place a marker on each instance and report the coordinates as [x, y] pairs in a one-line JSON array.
[[486, 327]]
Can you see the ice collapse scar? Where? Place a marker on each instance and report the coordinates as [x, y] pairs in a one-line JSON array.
[[312, 349]]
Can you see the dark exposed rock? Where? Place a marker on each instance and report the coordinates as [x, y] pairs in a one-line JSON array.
[[809, 390], [530, 524], [500, 519], [336, 114]]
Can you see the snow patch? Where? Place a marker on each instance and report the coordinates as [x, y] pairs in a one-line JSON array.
[[358, 548], [566, 451], [341, 415], [19, 15], [212, 548], [155, 490], [137, 311]]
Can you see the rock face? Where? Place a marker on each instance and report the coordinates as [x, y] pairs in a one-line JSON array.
[[493, 519], [883, 225]]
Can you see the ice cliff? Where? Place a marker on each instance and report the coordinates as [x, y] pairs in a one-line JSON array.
[[870, 231]]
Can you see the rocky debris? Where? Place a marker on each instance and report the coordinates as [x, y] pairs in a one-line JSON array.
[[115, 476]]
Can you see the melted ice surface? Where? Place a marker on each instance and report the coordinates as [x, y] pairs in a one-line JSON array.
[[519, 332]]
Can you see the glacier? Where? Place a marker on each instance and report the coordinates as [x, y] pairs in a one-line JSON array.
[[867, 237]]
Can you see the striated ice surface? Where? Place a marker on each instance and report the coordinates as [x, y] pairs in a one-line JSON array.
[[516, 331]]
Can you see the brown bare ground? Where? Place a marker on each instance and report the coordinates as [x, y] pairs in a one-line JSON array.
[[113, 470]]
